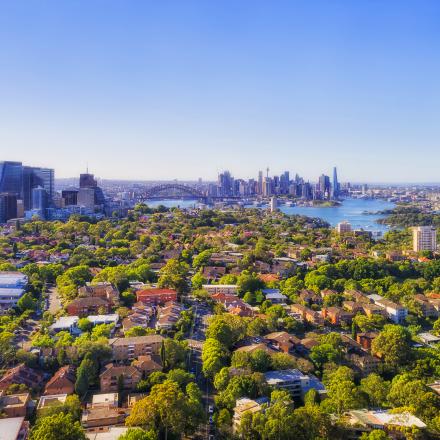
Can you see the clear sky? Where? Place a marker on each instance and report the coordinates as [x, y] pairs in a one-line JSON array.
[[183, 89]]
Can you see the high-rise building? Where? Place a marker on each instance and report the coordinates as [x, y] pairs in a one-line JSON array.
[[20, 180], [273, 204], [324, 186], [86, 197], [39, 199], [335, 185], [260, 182], [11, 178], [226, 184], [70, 196], [267, 187], [8, 207], [424, 238], [87, 180], [343, 228]]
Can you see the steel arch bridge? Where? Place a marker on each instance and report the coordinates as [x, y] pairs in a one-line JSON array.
[[185, 189]]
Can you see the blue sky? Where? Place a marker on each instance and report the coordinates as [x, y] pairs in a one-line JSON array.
[[184, 89]]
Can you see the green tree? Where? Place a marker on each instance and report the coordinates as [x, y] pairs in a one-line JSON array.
[[393, 345], [376, 389], [214, 357], [375, 434], [57, 426], [139, 434], [174, 275]]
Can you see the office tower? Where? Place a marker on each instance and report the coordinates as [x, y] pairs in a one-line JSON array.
[[335, 185], [260, 183], [226, 184], [70, 197], [39, 199], [20, 180], [343, 228], [267, 187], [424, 238], [45, 177], [20, 208], [284, 182], [273, 204], [86, 197], [8, 207], [324, 186], [11, 178], [87, 180]]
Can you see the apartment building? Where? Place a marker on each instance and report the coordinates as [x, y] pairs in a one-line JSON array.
[[424, 238], [128, 349]]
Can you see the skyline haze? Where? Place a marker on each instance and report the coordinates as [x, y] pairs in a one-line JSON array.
[[156, 91]]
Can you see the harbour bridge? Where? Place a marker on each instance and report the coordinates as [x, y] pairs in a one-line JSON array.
[[173, 190]]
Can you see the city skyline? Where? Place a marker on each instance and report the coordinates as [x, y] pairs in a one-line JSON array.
[[232, 85]]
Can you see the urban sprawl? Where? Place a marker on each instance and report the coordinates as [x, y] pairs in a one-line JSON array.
[[228, 319]]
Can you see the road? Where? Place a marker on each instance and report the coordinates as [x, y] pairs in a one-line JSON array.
[[196, 339], [53, 304]]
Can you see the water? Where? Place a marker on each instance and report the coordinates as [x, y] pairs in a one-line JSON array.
[[173, 203], [351, 210]]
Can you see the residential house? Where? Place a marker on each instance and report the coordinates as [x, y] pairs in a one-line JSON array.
[[104, 400], [359, 421], [47, 403], [228, 289], [66, 323], [62, 382], [245, 405], [294, 381], [395, 312], [128, 349], [364, 362], [102, 290], [154, 297], [427, 307], [12, 288], [119, 377], [337, 315], [168, 315], [310, 297], [98, 417], [148, 364], [366, 339], [213, 273], [373, 309], [254, 347], [274, 296], [14, 428], [21, 374], [15, 405], [282, 341], [357, 296], [84, 307]]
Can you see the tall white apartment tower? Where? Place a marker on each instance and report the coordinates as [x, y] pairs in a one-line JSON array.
[[424, 238]]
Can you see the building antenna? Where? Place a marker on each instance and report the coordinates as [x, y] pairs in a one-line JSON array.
[[267, 172]]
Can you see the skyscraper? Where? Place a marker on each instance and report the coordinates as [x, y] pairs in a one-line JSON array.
[[324, 186], [21, 180], [11, 178], [260, 182], [335, 185], [8, 207]]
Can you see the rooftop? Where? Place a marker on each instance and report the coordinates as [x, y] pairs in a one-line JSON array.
[[280, 376], [10, 427]]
